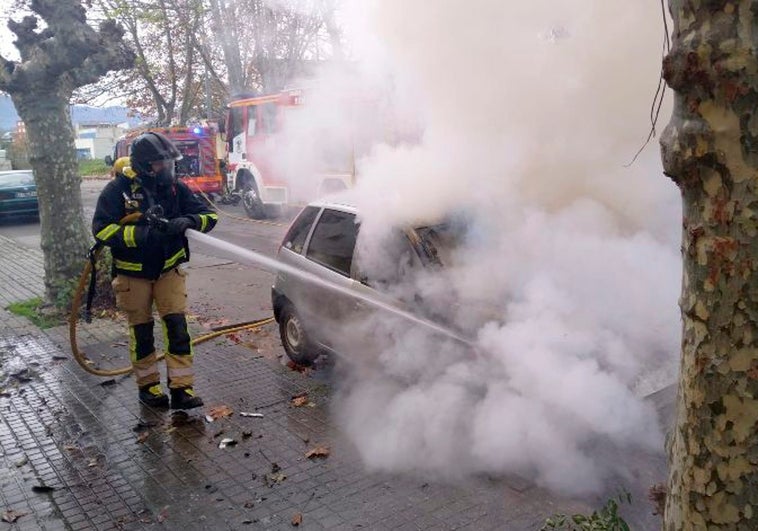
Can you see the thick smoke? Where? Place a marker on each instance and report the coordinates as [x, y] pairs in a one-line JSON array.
[[568, 270]]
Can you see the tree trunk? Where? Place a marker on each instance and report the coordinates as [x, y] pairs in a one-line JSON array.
[[65, 55], [710, 150], [53, 158]]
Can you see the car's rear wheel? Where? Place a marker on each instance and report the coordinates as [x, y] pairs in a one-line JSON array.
[[295, 339]]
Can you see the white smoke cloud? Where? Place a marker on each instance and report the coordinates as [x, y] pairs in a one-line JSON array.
[[531, 111]]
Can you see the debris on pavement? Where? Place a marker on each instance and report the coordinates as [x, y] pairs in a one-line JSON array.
[[275, 476], [301, 400], [227, 441], [297, 519], [107, 383], [143, 425], [248, 414], [11, 516], [42, 488], [298, 368], [218, 412], [247, 434], [142, 437], [163, 515], [318, 451], [21, 462]]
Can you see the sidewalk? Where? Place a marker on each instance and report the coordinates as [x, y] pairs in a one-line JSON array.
[[79, 452]]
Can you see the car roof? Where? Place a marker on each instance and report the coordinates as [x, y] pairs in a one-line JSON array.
[[341, 203]]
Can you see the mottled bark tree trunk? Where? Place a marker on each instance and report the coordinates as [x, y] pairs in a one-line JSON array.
[[56, 60], [53, 157], [710, 150]]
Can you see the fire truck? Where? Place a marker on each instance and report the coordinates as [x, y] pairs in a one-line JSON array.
[[261, 150], [202, 156]]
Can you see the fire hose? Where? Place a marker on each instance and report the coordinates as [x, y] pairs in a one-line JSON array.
[[73, 320]]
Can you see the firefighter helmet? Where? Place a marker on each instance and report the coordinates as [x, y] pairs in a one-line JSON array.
[[120, 164], [151, 147]]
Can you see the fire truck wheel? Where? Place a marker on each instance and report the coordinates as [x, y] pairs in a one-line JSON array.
[[252, 201], [295, 339]]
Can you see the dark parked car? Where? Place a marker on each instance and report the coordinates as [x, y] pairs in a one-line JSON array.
[[18, 194], [325, 241]]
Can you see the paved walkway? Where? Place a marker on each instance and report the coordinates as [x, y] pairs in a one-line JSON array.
[[79, 452]]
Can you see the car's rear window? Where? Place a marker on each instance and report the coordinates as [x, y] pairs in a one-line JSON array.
[[295, 238], [333, 240], [22, 178]]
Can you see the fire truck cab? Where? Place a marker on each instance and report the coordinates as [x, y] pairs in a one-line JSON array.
[[258, 142]]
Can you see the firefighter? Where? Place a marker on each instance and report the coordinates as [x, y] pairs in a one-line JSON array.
[[146, 263]]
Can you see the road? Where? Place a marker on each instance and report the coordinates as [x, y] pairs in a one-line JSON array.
[[244, 289]]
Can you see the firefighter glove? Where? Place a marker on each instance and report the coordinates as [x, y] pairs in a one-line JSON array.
[[177, 226]]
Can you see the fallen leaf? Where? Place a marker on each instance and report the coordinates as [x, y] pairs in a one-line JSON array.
[[170, 429], [297, 519], [142, 437], [11, 516], [318, 451], [163, 515], [275, 467], [272, 479], [248, 505], [107, 383], [71, 448], [92, 462], [226, 442], [247, 434], [218, 412], [297, 368], [248, 414], [300, 401]]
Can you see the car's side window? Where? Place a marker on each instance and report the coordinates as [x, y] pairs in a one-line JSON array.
[[333, 241], [388, 263], [296, 236]]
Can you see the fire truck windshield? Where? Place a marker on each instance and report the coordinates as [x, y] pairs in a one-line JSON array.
[[189, 164]]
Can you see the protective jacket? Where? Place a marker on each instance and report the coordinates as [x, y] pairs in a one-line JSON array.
[[138, 249]]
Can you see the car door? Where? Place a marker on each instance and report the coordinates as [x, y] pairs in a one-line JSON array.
[[329, 256]]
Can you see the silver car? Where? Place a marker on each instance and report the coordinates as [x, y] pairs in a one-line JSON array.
[[323, 241]]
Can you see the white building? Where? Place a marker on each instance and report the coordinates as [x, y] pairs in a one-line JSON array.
[[95, 141]]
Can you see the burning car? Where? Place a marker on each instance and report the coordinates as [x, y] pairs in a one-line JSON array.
[[326, 243]]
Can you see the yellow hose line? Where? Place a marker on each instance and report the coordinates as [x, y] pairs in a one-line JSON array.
[[248, 326], [238, 218], [73, 319]]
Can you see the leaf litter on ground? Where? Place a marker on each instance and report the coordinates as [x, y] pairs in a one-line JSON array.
[[218, 412], [318, 451]]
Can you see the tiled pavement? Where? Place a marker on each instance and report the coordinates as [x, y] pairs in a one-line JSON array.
[[70, 455]]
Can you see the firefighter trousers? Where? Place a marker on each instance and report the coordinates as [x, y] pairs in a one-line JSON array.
[[135, 297]]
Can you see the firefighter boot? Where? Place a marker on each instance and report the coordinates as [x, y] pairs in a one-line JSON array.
[[153, 396], [184, 398]]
